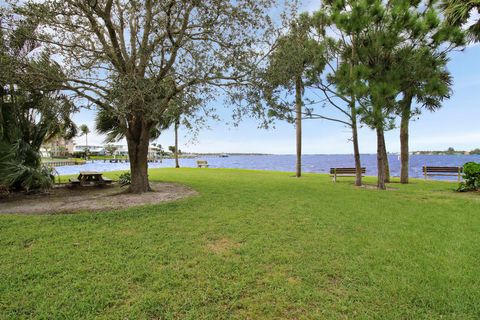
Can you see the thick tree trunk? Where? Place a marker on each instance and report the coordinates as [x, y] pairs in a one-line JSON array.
[[298, 123], [404, 148], [386, 165], [138, 139], [380, 159], [356, 148], [177, 164]]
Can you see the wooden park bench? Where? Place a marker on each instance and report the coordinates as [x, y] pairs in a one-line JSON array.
[[442, 171], [202, 163], [344, 172]]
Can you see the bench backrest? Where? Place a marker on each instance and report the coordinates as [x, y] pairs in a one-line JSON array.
[[202, 162], [429, 169], [345, 170]]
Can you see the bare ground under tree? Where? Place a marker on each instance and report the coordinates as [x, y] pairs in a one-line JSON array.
[[67, 200]]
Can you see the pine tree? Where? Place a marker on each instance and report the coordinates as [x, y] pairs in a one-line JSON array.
[[295, 56], [377, 32]]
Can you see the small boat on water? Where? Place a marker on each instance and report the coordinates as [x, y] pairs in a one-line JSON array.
[[223, 155]]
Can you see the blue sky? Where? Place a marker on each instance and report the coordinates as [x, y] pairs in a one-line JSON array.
[[456, 125]]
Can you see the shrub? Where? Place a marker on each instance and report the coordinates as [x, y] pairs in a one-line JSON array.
[[125, 179], [21, 169], [79, 154], [471, 174], [21, 177]]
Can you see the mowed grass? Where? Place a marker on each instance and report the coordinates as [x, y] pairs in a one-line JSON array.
[[252, 245]]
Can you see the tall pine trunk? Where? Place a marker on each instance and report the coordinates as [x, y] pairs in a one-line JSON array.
[[404, 147], [386, 165], [356, 148], [298, 123], [138, 138], [353, 112], [177, 123], [380, 159]]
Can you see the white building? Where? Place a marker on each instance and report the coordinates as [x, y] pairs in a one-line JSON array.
[[57, 147], [93, 149], [122, 150]]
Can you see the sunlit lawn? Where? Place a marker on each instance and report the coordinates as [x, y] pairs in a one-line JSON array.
[[253, 245]]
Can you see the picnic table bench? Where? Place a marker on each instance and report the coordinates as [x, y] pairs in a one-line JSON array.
[[90, 178], [344, 172], [202, 164], [442, 171]]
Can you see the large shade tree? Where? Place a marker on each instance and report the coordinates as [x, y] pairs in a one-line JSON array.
[[131, 58]]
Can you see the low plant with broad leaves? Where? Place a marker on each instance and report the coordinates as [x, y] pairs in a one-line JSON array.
[[471, 175], [125, 179]]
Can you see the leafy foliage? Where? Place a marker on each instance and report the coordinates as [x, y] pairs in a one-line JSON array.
[[471, 174], [20, 168], [459, 12], [111, 149], [131, 59], [111, 126], [125, 179], [84, 130], [32, 110], [378, 40], [296, 58]]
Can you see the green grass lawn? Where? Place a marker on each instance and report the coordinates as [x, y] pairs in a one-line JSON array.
[[252, 245]]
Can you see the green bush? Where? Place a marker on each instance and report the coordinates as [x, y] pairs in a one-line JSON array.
[[21, 169], [79, 154], [125, 179], [471, 175]]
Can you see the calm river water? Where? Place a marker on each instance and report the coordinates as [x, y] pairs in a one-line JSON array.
[[311, 163]]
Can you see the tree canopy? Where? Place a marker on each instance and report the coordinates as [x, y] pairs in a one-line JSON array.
[[132, 58]]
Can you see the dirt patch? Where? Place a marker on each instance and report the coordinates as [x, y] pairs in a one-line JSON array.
[[222, 246], [374, 187], [66, 200]]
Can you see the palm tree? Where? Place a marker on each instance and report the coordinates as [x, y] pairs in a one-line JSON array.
[[32, 110], [428, 82], [458, 13], [84, 131]]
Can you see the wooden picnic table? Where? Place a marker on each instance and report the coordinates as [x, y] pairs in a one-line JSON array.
[[90, 178]]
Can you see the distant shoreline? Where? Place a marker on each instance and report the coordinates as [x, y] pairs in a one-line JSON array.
[[415, 153]]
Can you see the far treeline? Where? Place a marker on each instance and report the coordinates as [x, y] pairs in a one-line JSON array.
[[148, 65], [450, 151]]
